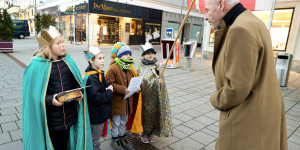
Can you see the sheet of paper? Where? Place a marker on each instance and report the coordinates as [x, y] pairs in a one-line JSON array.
[[134, 84]]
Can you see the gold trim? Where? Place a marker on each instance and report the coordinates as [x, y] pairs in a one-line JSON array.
[[45, 105], [84, 109]]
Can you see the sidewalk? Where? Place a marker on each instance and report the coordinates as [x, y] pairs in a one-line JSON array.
[[195, 121]]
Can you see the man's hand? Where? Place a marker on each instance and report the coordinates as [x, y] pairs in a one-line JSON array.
[[159, 81], [55, 102]]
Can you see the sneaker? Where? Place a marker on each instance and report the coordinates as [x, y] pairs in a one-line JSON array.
[[116, 144], [126, 145], [151, 138], [144, 138]]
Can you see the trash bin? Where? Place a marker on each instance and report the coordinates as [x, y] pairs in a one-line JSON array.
[[189, 51], [283, 67]]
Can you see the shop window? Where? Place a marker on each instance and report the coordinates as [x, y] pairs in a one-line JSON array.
[[212, 36], [136, 27], [280, 29], [196, 30], [175, 27]]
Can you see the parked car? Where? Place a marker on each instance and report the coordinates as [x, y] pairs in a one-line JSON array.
[[21, 29]]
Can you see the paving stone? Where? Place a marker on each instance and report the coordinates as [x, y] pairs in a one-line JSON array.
[[16, 145], [4, 138], [19, 123], [186, 144], [8, 118], [19, 115], [16, 135], [205, 120], [295, 139], [211, 146], [293, 146], [176, 122], [195, 125], [210, 132], [161, 143], [166, 148], [9, 126], [19, 109], [179, 134], [183, 117], [213, 114], [202, 137], [185, 129], [8, 111], [193, 113], [213, 128]]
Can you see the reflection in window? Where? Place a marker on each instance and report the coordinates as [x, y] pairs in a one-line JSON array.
[[280, 26], [196, 32], [212, 36]]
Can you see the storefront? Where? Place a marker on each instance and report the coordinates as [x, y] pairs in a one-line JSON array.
[[285, 31], [106, 22], [111, 22], [193, 28]]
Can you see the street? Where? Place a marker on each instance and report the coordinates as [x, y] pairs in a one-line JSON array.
[[195, 121]]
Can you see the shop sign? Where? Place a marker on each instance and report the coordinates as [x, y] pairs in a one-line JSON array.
[[123, 10]]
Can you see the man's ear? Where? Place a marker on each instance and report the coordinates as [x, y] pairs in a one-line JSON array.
[[222, 4]]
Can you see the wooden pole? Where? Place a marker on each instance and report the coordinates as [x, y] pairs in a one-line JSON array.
[[182, 24]]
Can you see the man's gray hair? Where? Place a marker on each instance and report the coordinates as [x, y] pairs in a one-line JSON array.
[[228, 1]]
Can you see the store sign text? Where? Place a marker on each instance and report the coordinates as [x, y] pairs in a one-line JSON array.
[[111, 9]]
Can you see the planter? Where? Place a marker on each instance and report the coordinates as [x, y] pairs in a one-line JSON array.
[[7, 46]]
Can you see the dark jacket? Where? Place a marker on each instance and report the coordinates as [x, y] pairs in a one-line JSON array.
[[61, 79], [98, 98]]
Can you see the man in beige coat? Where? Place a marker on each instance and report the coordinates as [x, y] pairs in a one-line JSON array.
[[248, 94]]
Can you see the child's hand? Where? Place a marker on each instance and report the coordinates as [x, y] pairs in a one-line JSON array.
[[55, 102], [127, 91], [110, 88], [80, 98], [159, 81], [138, 90]]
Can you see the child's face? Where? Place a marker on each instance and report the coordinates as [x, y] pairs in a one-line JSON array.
[[126, 56], [149, 56], [98, 62], [58, 48]]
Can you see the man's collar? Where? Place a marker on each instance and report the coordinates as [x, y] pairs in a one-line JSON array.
[[233, 13]]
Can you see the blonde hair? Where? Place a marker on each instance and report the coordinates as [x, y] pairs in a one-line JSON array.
[[45, 52]]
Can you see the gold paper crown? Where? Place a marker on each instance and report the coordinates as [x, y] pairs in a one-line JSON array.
[[47, 35]]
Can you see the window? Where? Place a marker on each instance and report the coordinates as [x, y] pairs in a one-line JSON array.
[[175, 27], [280, 29]]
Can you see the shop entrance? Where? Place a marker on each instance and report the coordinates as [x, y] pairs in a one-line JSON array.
[[109, 30]]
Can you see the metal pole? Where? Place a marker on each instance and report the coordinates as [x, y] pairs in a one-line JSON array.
[[272, 14], [182, 24]]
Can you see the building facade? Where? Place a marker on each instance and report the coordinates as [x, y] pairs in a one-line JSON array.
[[285, 30], [132, 22]]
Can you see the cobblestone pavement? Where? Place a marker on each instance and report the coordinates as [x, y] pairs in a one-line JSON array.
[[195, 121]]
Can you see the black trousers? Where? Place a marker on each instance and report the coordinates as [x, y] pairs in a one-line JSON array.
[[60, 139]]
